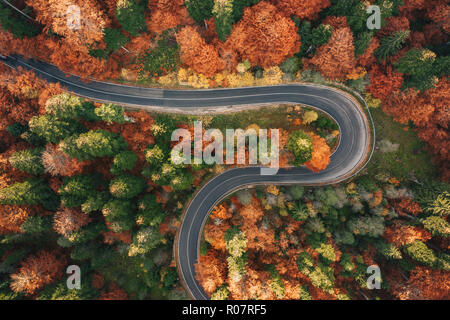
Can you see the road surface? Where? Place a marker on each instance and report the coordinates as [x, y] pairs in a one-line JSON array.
[[355, 148]]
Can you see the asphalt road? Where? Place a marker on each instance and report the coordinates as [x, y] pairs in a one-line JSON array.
[[354, 150]]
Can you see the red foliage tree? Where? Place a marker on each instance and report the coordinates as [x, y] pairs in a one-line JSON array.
[[383, 83], [114, 293], [401, 235], [264, 36], [36, 271], [336, 59], [211, 270], [166, 14], [304, 9], [321, 154], [197, 54]]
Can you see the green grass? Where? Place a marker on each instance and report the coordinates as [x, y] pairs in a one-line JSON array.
[[411, 156]]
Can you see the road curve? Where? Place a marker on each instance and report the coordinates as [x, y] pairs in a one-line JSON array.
[[355, 149]]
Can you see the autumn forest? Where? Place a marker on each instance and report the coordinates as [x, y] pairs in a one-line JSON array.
[[94, 184]]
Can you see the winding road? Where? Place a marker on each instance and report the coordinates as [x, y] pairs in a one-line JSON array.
[[354, 151]]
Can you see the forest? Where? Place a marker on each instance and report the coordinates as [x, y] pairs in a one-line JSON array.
[[92, 184], [89, 184]]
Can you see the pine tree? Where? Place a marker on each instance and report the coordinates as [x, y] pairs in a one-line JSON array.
[[120, 215], [126, 186], [16, 24], [131, 16], [28, 161], [421, 253], [30, 192], [93, 144], [321, 35], [53, 129], [125, 160], [114, 39], [300, 144], [111, 113], [222, 11], [200, 10], [437, 226], [390, 45], [67, 106], [149, 211], [76, 190]]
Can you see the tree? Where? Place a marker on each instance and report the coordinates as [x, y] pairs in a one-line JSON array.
[[422, 67], [321, 35], [432, 284], [362, 42], [125, 160], [144, 241], [366, 58], [291, 65], [211, 271], [421, 253], [36, 271], [111, 113], [371, 226], [55, 14], [196, 54], [131, 16], [437, 226], [28, 161], [114, 293], [299, 212], [161, 59], [353, 10], [16, 24], [310, 116], [126, 186], [303, 9], [67, 106], [221, 293], [12, 218], [301, 146], [390, 45], [383, 83], [321, 154], [66, 221], [200, 10], [149, 211], [440, 206], [29, 192], [155, 156], [76, 190], [167, 14], [114, 39], [182, 181], [263, 29], [119, 214], [93, 144], [56, 162], [222, 11], [305, 33], [336, 59], [52, 129]]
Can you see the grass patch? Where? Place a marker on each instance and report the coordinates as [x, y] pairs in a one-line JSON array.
[[411, 158]]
